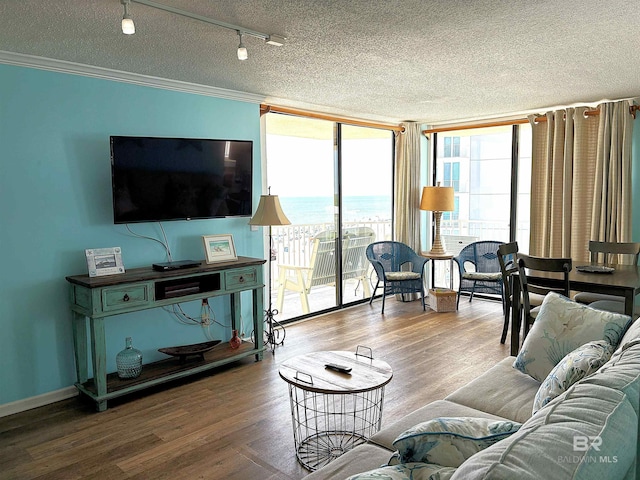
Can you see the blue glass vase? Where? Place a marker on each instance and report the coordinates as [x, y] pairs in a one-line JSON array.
[[129, 361]]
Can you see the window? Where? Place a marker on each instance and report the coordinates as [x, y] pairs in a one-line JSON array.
[[451, 173], [486, 204], [451, 147]]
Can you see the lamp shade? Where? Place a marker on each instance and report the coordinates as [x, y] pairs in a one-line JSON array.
[[269, 212], [437, 199]]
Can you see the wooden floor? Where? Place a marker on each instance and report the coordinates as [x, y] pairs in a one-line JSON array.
[[235, 423]]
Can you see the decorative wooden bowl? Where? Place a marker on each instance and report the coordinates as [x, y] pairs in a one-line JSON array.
[[185, 351]]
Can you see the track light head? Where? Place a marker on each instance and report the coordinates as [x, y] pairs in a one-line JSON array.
[[242, 50], [128, 27]]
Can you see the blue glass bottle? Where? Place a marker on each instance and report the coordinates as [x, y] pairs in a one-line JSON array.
[[129, 361]]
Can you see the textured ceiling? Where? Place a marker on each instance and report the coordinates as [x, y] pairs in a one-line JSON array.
[[434, 61]]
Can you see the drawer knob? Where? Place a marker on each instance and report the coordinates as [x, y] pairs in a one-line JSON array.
[[125, 298], [241, 279]]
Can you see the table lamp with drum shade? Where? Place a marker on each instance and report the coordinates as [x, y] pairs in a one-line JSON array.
[[269, 213], [437, 200]]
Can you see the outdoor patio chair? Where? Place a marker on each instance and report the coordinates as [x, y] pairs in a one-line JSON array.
[[354, 256], [479, 269], [398, 267], [322, 266]]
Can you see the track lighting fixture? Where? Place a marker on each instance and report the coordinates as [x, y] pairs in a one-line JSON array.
[[242, 50], [129, 28], [276, 40]]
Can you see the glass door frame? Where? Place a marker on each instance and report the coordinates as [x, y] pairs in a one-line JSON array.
[[338, 205]]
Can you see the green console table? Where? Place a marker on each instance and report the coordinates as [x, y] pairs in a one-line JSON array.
[[95, 299]]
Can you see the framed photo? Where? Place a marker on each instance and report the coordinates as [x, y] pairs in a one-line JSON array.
[[104, 261], [219, 248]]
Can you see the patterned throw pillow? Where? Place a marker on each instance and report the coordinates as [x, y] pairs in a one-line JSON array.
[[449, 441], [406, 471], [561, 326], [580, 363]]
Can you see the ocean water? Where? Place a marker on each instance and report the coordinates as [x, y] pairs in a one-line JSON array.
[[301, 210]]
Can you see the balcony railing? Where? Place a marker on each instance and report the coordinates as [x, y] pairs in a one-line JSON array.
[[293, 245]]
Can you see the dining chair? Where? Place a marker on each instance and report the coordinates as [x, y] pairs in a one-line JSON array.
[[609, 253], [507, 257], [533, 284], [398, 267]]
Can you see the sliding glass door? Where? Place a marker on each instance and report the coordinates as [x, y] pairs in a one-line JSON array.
[[366, 190], [490, 171], [334, 183]]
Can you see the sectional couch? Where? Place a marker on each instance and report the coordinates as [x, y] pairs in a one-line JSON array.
[[588, 431]]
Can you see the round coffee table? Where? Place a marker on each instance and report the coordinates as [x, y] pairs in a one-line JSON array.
[[332, 412]]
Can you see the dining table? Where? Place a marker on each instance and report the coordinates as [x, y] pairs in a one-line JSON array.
[[619, 280]]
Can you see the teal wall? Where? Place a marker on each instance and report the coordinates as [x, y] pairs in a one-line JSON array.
[[55, 201]]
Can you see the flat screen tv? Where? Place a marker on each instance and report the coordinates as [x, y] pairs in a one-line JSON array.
[[157, 178]]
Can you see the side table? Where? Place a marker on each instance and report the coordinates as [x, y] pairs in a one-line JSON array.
[[446, 256], [333, 412]]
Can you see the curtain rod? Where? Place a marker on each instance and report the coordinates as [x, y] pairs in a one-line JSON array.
[[475, 125], [519, 121], [264, 108]]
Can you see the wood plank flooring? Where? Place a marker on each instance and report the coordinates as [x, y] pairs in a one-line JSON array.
[[235, 422]]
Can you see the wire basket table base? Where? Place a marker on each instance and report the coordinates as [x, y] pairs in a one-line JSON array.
[[326, 426]]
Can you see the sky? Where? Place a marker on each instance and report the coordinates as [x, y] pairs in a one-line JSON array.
[[301, 167]]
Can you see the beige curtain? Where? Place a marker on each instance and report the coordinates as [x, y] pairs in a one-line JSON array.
[[571, 170], [611, 219], [407, 186]]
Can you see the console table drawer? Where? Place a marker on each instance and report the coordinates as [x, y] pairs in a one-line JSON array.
[[241, 278], [123, 298]]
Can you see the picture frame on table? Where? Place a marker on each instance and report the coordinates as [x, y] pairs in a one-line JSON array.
[[104, 261], [219, 248]]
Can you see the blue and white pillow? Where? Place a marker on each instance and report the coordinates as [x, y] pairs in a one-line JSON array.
[[407, 471], [576, 365], [561, 326], [449, 441]]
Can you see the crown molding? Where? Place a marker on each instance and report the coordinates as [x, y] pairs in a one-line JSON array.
[[63, 66]]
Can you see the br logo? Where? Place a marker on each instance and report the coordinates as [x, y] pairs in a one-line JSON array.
[[582, 443]]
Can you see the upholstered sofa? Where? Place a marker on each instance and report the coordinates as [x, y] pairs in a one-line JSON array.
[[588, 431]]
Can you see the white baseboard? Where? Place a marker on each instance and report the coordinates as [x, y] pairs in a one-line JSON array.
[[37, 401]]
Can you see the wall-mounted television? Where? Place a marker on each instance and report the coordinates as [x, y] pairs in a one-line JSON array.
[[158, 178]]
